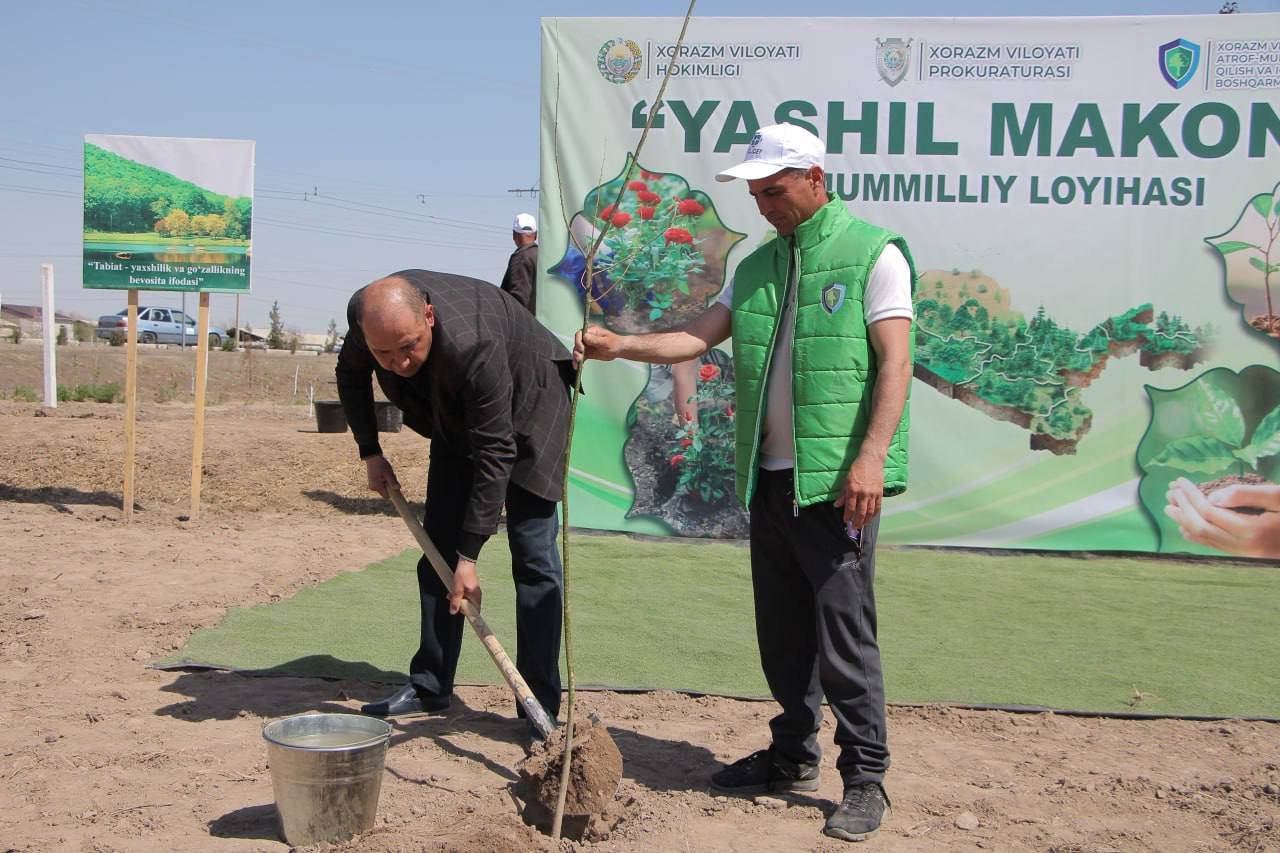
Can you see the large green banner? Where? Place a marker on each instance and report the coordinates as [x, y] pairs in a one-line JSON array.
[[1092, 205], [165, 213]]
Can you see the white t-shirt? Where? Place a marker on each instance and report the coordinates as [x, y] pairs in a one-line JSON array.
[[887, 295]]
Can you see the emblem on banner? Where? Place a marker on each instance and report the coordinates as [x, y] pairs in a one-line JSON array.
[[893, 58], [833, 297], [619, 60], [1179, 60]]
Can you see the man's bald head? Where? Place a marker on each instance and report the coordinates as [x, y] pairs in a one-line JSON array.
[[388, 296], [396, 320]]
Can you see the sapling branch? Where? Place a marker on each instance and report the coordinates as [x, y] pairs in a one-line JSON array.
[[587, 301]]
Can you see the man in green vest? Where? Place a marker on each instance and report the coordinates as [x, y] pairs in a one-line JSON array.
[[821, 324]]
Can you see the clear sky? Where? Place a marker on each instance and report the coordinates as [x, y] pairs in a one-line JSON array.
[[409, 121]]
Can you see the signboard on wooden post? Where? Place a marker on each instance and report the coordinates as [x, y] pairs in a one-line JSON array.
[[167, 214]]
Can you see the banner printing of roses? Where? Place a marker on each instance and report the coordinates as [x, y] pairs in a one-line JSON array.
[[661, 263], [663, 257]]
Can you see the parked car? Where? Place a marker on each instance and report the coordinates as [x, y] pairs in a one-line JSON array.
[[158, 326]]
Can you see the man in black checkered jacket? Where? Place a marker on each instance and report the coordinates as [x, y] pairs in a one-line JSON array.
[[489, 385]]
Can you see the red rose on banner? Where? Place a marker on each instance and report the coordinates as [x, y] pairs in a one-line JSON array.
[[708, 372], [648, 271], [686, 442], [677, 459]]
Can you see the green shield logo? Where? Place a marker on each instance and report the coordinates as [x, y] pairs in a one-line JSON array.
[[1178, 62], [833, 297]]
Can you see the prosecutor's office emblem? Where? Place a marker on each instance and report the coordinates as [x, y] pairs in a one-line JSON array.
[[1179, 60], [619, 60], [893, 58], [833, 297]]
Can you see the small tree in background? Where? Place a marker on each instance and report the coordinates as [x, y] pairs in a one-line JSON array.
[[331, 342], [62, 336], [275, 337]]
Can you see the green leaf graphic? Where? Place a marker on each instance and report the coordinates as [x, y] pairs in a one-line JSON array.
[[1258, 265], [1262, 204], [1228, 246], [1196, 454], [1266, 439], [1220, 414]]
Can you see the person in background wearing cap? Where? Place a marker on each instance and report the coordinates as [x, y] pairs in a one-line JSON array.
[[521, 279], [489, 385], [821, 320]]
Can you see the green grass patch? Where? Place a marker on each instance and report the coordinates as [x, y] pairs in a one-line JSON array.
[[1101, 634], [107, 392], [151, 239]]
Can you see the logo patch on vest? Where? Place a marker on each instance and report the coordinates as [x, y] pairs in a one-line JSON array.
[[833, 297]]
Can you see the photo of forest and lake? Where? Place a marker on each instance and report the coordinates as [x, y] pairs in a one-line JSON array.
[[149, 228]]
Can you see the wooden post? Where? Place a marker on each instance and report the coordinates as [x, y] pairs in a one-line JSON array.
[[235, 333], [47, 318], [202, 367], [130, 402]]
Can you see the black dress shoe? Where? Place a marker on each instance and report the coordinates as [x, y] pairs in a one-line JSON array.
[[406, 700]]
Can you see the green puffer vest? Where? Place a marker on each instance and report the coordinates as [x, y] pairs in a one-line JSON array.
[[833, 364]]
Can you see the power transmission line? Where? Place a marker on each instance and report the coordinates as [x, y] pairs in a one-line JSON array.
[[36, 163]]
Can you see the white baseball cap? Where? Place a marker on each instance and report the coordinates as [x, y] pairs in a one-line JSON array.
[[774, 148], [525, 224]]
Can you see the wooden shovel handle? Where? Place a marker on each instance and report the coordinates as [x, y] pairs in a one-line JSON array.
[[539, 717]]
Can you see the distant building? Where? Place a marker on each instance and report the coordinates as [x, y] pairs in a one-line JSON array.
[[30, 319], [255, 337]]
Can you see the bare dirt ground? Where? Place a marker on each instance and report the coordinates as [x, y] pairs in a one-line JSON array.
[[100, 753]]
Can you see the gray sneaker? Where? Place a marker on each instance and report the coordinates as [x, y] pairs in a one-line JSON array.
[[859, 814], [763, 772]]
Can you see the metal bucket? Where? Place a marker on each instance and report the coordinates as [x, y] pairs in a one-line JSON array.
[[326, 773]]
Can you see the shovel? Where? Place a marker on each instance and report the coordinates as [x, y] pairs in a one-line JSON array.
[[524, 696]]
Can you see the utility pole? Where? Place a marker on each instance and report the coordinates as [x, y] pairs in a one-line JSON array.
[[532, 191]]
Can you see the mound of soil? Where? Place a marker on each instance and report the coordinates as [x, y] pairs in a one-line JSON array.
[[1268, 324], [1235, 480], [594, 773]]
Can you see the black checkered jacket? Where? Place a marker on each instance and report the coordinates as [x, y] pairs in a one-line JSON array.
[[494, 390]]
